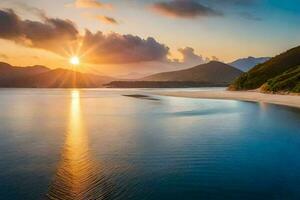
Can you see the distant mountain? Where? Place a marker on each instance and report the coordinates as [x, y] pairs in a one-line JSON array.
[[161, 84], [213, 72], [280, 73], [43, 77], [133, 75], [8, 72], [206, 75], [246, 64]]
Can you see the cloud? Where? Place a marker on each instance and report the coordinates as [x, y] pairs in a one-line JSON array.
[[106, 19], [57, 35], [90, 4], [102, 18], [115, 48], [184, 9], [9, 23], [50, 34], [190, 57], [214, 58]]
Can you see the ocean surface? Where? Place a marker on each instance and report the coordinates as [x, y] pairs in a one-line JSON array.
[[99, 144]]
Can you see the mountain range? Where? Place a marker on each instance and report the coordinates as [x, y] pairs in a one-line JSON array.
[[279, 74], [43, 77], [213, 73], [245, 64], [210, 74]]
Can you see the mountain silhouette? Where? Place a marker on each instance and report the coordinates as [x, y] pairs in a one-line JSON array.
[[211, 74], [43, 77], [245, 64]]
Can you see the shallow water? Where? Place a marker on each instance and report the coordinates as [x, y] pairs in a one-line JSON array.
[[99, 144]]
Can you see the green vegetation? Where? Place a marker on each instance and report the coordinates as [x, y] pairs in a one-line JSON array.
[[281, 73], [288, 81]]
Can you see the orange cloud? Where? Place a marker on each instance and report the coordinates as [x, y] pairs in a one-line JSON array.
[[106, 19], [51, 34], [61, 36], [184, 9], [91, 4], [115, 48]]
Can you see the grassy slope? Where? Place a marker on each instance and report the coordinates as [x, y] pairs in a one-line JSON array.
[[262, 73], [288, 81]]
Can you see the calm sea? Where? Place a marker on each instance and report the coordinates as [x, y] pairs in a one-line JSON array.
[[99, 144]]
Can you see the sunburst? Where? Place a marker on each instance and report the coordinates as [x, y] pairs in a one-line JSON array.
[[74, 60]]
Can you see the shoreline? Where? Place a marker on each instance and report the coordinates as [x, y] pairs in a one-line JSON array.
[[253, 96]]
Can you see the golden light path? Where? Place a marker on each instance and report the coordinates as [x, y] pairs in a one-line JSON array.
[[78, 177]]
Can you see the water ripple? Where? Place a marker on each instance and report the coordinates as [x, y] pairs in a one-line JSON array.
[[78, 177]]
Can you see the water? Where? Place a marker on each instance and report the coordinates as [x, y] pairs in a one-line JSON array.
[[98, 144]]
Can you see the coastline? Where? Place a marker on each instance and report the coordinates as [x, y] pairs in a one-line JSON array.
[[254, 96]]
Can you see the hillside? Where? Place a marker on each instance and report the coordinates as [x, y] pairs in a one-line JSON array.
[[288, 81], [245, 64], [270, 72], [213, 73], [43, 77]]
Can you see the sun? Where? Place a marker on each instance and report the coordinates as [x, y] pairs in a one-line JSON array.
[[74, 60]]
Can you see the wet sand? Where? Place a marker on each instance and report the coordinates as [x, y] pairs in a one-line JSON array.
[[287, 100]]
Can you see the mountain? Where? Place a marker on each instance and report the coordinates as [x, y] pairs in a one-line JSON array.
[[161, 84], [212, 72], [245, 64], [133, 75], [8, 72], [280, 73], [205, 75], [43, 77]]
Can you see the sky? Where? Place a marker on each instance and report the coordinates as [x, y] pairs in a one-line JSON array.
[[139, 37]]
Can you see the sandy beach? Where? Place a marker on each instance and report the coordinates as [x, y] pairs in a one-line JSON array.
[[287, 100]]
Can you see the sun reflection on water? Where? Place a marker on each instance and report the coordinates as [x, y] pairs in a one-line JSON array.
[[77, 175]]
